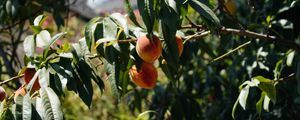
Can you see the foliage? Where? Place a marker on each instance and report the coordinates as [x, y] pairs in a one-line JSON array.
[[258, 55]]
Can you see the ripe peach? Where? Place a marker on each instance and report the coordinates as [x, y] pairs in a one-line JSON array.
[[146, 77], [179, 44], [2, 94], [149, 49], [28, 74], [20, 91]]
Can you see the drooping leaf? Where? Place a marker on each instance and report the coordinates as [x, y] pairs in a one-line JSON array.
[[43, 39], [43, 77], [266, 103], [266, 85], [51, 104], [39, 20], [259, 103], [131, 14], [26, 107], [243, 96], [29, 46], [5, 113], [114, 72], [169, 24], [206, 13], [234, 108], [89, 32], [147, 10], [289, 59]]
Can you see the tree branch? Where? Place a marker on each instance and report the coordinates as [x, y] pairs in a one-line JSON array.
[[11, 79], [231, 51], [250, 34]]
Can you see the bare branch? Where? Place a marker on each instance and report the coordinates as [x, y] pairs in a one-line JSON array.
[[11, 79]]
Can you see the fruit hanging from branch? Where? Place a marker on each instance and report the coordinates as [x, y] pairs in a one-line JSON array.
[[149, 49], [146, 77]]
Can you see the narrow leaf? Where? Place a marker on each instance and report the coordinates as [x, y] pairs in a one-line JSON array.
[[266, 103], [29, 46], [26, 107], [259, 103], [131, 14], [290, 58], [205, 12], [243, 97], [51, 103]]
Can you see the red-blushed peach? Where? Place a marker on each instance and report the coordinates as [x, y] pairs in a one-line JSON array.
[[148, 49], [2, 93], [146, 77], [20, 91], [28, 75]]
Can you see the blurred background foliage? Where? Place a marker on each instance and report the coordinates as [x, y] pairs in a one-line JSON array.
[[205, 89]]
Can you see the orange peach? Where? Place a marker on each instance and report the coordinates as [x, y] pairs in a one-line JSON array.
[[179, 44], [149, 49], [20, 91], [146, 77]]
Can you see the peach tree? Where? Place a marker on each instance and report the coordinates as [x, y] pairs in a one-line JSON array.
[[185, 59]]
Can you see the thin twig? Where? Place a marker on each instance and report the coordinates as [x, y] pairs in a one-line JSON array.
[[290, 77], [231, 51], [250, 34], [11, 79]]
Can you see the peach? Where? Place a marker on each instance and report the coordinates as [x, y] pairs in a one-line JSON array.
[[28, 74], [149, 49], [146, 77], [20, 91], [2, 94], [179, 44]]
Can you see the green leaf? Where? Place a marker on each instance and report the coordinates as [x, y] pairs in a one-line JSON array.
[[243, 97], [114, 72], [83, 83], [278, 69], [121, 21], [170, 23], [51, 104], [89, 32], [26, 107], [36, 29], [270, 89], [147, 10], [266, 103], [5, 113], [289, 59], [39, 20], [298, 76], [234, 108], [43, 39], [262, 79], [63, 74], [29, 46], [259, 103], [44, 77], [206, 13], [19, 109], [130, 12]]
